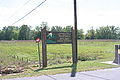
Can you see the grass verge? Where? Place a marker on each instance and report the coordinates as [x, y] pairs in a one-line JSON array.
[[62, 68]]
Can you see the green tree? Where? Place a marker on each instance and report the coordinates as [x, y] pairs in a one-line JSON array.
[[90, 34], [37, 32], [113, 32], [32, 35], [24, 33], [56, 29], [8, 32], [38, 28], [107, 32], [67, 29], [1, 33], [80, 34], [16, 33]]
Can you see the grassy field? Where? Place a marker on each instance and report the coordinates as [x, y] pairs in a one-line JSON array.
[[90, 54]]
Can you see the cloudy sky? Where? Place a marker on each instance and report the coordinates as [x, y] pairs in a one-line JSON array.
[[91, 13]]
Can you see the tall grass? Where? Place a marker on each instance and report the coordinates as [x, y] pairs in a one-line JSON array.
[[60, 53]]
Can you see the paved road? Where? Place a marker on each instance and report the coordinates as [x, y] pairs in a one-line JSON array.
[[106, 74]]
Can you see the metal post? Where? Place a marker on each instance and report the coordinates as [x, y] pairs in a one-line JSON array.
[[39, 55], [118, 55], [75, 32]]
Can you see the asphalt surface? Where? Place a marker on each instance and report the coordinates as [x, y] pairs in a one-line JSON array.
[[106, 74]]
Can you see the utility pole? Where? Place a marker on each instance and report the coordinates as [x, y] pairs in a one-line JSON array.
[[75, 52]]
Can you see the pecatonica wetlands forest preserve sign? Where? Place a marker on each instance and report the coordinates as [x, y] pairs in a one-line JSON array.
[[49, 37], [59, 37]]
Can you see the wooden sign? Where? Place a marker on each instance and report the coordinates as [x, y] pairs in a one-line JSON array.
[[49, 37], [59, 38]]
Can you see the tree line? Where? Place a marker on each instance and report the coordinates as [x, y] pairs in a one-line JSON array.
[[25, 32]]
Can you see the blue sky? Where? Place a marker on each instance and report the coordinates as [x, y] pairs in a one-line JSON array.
[[91, 13]]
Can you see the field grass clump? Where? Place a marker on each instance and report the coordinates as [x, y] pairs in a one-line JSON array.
[[88, 57], [12, 64]]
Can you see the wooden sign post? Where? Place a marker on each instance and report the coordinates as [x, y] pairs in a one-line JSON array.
[[44, 53]]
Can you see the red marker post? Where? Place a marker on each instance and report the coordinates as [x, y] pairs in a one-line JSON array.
[[38, 41]]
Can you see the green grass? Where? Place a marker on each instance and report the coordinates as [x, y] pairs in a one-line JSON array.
[[62, 68], [91, 53]]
